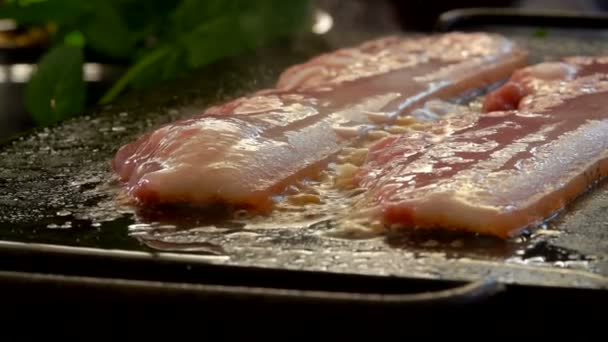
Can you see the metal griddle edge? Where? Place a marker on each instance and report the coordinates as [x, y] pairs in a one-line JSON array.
[[37, 280]]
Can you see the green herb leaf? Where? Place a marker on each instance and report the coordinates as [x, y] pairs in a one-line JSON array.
[[145, 66], [191, 13], [57, 89], [74, 38], [157, 39], [213, 39], [146, 15], [106, 32], [42, 12], [169, 65], [243, 27]]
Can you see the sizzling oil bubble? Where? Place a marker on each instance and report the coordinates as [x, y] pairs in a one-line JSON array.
[[64, 213], [545, 253], [137, 227], [65, 225]]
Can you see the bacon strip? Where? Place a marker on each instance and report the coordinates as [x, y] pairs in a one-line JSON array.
[[532, 79], [499, 172], [246, 151]]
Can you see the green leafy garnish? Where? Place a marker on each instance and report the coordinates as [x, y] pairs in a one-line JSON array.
[[57, 89], [106, 30], [155, 39], [74, 38]]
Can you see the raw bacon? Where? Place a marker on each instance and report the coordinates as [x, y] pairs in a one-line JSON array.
[[246, 151], [531, 79], [498, 172]]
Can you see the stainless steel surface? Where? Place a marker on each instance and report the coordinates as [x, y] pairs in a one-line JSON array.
[[56, 188]]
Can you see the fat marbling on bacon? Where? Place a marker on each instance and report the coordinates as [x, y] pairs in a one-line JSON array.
[[246, 151], [542, 141]]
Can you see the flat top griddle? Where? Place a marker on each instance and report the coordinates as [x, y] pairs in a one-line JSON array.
[[57, 196]]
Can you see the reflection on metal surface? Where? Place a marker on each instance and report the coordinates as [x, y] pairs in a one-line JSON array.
[[323, 22], [7, 25], [21, 73], [93, 72]]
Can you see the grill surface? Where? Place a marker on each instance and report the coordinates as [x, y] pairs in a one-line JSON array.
[[56, 188]]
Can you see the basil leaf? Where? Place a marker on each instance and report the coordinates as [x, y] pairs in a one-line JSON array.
[[212, 40], [190, 13], [243, 27], [157, 39], [75, 38], [106, 32], [145, 68], [57, 89], [42, 12]]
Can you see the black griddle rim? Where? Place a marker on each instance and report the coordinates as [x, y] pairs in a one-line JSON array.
[[93, 271], [32, 263], [458, 19]]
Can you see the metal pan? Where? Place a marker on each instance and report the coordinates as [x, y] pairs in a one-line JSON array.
[[59, 221], [475, 18]]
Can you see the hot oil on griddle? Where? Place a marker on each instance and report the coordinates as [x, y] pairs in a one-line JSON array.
[[319, 209], [55, 188]]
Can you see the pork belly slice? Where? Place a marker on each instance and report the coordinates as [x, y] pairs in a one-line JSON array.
[[532, 79], [244, 152], [499, 172]]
